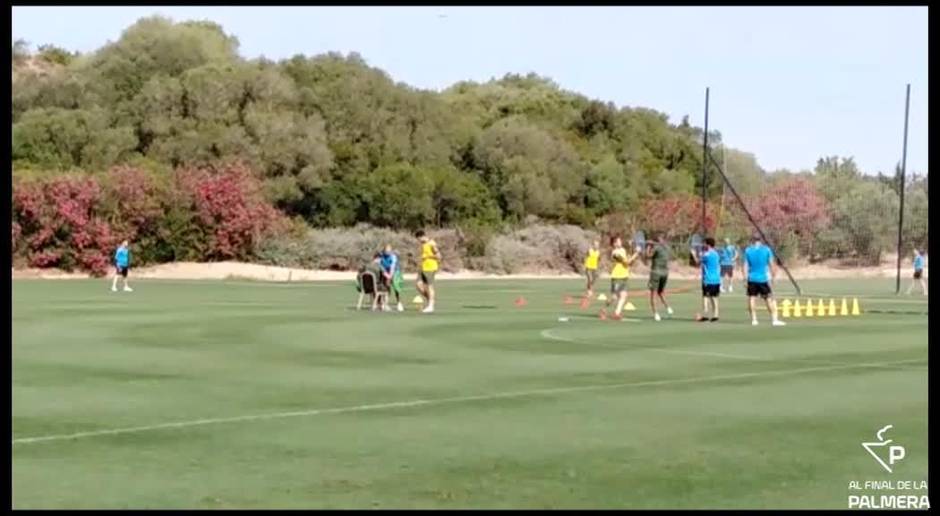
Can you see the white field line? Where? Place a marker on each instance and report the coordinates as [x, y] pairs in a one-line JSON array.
[[442, 401], [549, 335]]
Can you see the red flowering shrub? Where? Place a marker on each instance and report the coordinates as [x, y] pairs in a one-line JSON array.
[[678, 215], [17, 231], [206, 213], [57, 221], [230, 209], [133, 202], [792, 209]]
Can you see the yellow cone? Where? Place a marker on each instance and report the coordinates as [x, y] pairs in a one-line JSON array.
[[601, 297], [809, 308], [797, 309], [845, 307], [786, 308], [417, 300], [855, 310], [821, 308], [628, 306], [832, 308]]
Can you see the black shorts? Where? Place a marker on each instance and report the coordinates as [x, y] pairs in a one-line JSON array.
[[918, 274], [727, 271], [657, 282], [122, 271], [758, 289], [711, 290]]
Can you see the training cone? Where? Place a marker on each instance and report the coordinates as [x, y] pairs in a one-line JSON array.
[[629, 307], [855, 309], [785, 308], [417, 300], [821, 308], [601, 297], [520, 301], [809, 308], [797, 309], [832, 308], [845, 307], [585, 302]]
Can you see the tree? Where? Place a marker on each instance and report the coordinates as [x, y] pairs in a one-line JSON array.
[[400, 196], [20, 51], [743, 172], [155, 46], [610, 189], [55, 55], [864, 223], [460, 199], [532, 171], [65, 139]]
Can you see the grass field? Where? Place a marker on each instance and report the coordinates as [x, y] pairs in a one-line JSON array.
[[253, 395]]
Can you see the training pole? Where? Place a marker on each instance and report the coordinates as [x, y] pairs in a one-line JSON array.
[[901, 186], [705, 165]]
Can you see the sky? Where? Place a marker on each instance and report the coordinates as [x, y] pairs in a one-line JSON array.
[[789, 84]]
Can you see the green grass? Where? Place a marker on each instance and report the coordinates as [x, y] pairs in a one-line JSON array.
[[522, 411]]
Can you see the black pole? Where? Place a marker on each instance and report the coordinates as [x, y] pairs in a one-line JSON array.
[[903, 182], [705, 164]]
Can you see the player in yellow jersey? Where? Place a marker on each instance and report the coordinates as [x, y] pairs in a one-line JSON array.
[[430, 259], [590, 270], [619, 273]]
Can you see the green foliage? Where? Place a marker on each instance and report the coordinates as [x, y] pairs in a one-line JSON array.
[[400, 196], [337, 142], [63, 139], [20, 51], [864, 223], [55, 55]]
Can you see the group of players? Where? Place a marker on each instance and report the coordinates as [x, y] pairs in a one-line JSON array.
[[716, 266], [386, 268]]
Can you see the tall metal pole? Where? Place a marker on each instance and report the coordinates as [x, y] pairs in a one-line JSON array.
[[903, 182], [705, 164]]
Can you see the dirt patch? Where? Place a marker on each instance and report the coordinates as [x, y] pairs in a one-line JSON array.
[[251, 271]]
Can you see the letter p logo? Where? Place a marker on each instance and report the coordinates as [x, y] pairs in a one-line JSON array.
[[895, 453]]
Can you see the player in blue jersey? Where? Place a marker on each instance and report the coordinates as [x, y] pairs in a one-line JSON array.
[[920, 263], [710, 263], [391, 274], [729, 257], [122, 263], [760, 271]]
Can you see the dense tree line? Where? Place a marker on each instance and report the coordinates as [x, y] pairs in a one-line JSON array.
[[335, 142]]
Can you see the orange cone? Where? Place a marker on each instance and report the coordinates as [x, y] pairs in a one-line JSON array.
[[520, 302]]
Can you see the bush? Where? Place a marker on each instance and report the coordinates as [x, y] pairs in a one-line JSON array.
[[507, 255], [538, 248], [59, 225], [70, 221], [230, 209]]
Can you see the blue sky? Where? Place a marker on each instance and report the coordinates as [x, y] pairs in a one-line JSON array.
[[789, 84]]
